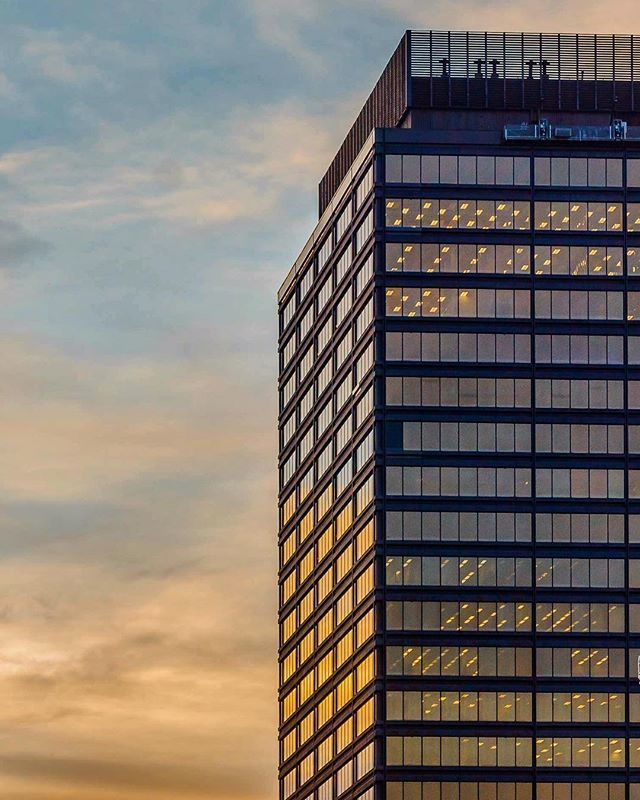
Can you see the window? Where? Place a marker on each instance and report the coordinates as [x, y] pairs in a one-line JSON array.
[[344, 262], [558, 304], [324, 376], [487, 790], [286, 393], [580, 707], [364, 407], [288, 350], [364, 451], [580, 752], [580, 662], [343, 307], [324, 294], [459, 481], [364, 319], [364, 232], [467, 169], [594, 573], [305, 283], [471, 526], [454, 661], [487, 437], [603, 172], [453, 751], [324, 336], [464, 214], [571, 260], [364, 363], [364, 187], [559, 437], [344, 349], [469, 616], [288, 310], [454, 706], [578, 349], [464, 571], [343, 221], [593, 528], [457, 302], [483, 616], [581, 483], [580, 215], [364, 276], [467, 392], [579, 618], [344, 476], [505, 348], [288, 429], [482, 258], [306, 362], [569, 393], [325, 251]]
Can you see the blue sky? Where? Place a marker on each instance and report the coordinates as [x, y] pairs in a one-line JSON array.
[[159, 163]]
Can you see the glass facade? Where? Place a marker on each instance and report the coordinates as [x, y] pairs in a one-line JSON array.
[[511, 488], [328, 659], [459, 522]]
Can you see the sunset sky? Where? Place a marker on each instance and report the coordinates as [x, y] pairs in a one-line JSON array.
[[159, 163]]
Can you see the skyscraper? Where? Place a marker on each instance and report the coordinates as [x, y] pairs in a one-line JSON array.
[[460, 434]]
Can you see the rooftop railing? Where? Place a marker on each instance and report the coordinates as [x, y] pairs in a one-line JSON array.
[[532, 72]]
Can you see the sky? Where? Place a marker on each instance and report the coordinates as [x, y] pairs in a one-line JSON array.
[[159, 162]]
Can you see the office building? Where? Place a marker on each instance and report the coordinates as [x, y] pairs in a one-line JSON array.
[[460, 434]]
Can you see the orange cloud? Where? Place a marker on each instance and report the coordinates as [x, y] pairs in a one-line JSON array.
[[138, 655]]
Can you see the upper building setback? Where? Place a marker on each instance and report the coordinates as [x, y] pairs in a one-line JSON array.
[[459, 505]]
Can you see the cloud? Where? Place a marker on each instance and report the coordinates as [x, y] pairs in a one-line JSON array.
[[17, 246], [562, 16], [171, 159], [137, 601], [282, 25], [173, 171], [76, 61]]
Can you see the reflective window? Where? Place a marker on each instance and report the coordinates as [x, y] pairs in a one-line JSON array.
[[505, 348], [579, 618], [453, 615], [469, 662], [459, 392], [580, 662], [633, 217], [580, 707], [452, 706], [560, 437], [465, 214], [468, 169], [594, 573], [566, 482], [594, 528], [580, 752], [560, 348], [458, 302], [579, 215], [487, 437], [578, 171], [573, 260], [503, 259], [576, 393], [459, 481], [453, 751], [464, 570], [575, 304], [464, 526]]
